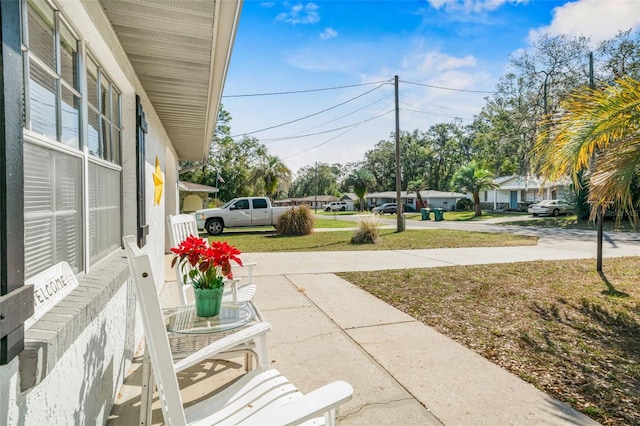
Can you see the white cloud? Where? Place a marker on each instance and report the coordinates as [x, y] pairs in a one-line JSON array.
[[471, 5], [300, 14], [597, 19], [267, 4], [328, 33], [436, 62]]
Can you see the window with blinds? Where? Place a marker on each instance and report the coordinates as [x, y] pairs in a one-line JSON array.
[[52, 209], [57, 217]]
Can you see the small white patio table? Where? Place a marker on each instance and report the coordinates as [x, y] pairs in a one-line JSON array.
[[189, 332]]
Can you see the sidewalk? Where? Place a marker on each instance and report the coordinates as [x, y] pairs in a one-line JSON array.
[[403, 372]]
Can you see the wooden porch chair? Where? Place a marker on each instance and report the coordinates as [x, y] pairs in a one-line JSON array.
[[260, 397], [183, 225]]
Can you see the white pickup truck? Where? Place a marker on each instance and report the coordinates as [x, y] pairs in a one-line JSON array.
[[239, 212]]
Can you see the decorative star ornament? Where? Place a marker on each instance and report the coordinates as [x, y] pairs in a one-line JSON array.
[[158, 183]]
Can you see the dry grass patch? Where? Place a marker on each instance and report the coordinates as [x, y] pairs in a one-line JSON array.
[[557, 324]]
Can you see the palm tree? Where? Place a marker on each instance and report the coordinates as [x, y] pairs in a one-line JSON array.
[[272, 171], [597, 133], [471, 178], [416, 186], [361, 180]]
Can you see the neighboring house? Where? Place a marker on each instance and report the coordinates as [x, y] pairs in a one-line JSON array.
[[517, 192], [194, 196], [351, 199], [101, 99], [433, 199], [313, 201]]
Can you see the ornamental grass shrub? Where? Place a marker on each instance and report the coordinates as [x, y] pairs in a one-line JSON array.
[[367, 233], [295, 221]]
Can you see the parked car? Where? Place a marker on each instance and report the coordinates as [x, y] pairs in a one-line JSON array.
[[335, 206], [390, 208], [239, 212], [551, 207]]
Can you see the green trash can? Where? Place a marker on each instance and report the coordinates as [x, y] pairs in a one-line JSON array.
[[425, 214], [438, 214]]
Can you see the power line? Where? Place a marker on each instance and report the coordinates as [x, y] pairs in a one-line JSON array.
[[300, 134], [324, 131], [307, 90], [437, 106], [337, 136], [414, 108], [447, 88], [431, 113], [310, 115]]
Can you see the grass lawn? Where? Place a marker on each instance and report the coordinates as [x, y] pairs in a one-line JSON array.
[[268, 241], [557, 324], [459, 215], [571, 222], [333, 223], [339, 213]]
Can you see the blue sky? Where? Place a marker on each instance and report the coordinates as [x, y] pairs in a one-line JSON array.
[[448, 54]]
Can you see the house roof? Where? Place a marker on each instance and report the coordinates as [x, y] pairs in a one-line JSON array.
[[423, 194], [349, 196], [195, 187], [180, 51], [527, 182]]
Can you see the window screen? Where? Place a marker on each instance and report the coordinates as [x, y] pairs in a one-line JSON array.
[[52, 209], [104, 211]]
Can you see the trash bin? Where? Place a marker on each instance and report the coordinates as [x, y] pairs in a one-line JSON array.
[[438, 214], [425, 214]]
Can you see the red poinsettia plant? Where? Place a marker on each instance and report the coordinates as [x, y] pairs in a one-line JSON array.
[[206, 265]]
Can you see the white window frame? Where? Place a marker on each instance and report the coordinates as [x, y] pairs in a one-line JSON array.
[[108, 117]]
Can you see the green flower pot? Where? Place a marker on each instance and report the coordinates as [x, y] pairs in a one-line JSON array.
[[208, 301]]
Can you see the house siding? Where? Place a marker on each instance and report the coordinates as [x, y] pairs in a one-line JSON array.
[[78, 353]]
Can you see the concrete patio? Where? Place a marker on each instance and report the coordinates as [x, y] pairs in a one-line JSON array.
[[402, 371]]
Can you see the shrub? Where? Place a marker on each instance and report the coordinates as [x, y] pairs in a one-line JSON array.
[[367, 233], [465, 205], [295, 221]]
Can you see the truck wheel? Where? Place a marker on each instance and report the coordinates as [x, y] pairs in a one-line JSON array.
[[556, 212], [214, 227], [343, 208]]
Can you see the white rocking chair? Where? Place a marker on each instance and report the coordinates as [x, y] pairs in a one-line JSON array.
[[260, 397], [180, 227]]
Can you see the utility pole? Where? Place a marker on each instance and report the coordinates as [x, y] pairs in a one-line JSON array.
[[315, 178], [399, 209], [599, 215]]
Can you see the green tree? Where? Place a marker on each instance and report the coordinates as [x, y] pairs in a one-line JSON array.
[[380, 161], [598, 134], [318, 179], [473, 179], [271, 171], [416, 186], [361, 180]]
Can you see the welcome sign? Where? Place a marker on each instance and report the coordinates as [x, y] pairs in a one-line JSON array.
[[49, 287]]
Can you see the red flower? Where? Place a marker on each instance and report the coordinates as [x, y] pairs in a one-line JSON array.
[[209, 263]]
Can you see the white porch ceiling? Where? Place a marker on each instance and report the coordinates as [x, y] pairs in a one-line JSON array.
[[180, 50]]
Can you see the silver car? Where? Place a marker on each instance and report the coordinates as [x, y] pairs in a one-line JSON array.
[[551, 207]]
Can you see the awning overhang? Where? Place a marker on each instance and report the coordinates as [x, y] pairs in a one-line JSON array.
[[180, 51]]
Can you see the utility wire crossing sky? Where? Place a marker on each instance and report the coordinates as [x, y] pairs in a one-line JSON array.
[[314, 80]]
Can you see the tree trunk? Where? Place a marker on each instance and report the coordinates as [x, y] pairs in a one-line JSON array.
[[476, 202]]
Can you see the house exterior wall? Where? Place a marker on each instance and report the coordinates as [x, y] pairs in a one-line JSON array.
[[77, 354], [527, 192], [441, 203]]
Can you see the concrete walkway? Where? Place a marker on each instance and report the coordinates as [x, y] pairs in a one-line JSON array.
[[403, 372]]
